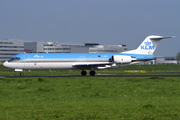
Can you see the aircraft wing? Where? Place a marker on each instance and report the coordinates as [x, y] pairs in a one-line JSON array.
[[93, 65], [90, 64]]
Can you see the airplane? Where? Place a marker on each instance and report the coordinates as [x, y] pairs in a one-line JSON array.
[[85, 61]]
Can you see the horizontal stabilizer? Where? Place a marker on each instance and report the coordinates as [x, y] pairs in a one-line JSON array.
[[160, 37]]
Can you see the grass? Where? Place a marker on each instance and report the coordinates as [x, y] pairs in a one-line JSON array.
[[90, 98]]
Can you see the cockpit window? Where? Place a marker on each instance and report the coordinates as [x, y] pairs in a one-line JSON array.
[[14, 58]]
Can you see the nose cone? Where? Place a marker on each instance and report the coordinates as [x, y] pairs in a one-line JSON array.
[[5, 64]]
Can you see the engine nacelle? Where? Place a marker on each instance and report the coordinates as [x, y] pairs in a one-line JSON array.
[[121, 59]]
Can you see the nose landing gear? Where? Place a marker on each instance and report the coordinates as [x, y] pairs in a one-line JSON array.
[[21, 74]]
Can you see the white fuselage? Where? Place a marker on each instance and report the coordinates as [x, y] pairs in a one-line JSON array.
[[61, 64]]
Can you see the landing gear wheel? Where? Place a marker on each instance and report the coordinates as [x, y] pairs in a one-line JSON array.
[[92, 73], [83, 73], [21, 74]]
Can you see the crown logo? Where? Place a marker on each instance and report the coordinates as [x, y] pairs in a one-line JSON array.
[[147, 43], [36, 56]]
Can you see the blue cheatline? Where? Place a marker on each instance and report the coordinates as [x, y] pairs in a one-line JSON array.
[[78, 55]]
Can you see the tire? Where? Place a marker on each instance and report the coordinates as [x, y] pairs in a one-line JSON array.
[[83, 73], [92, 73], [21, 74]]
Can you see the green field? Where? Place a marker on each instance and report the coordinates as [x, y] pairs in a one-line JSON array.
[[90, 98], [87, 98]]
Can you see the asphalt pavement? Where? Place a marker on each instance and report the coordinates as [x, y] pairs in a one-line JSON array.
[[98, 75]]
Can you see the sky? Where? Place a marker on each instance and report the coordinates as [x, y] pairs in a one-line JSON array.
[[108, 22]]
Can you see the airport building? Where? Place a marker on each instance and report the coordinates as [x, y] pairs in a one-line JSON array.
[[50, 47], [11, 47], [166, 60], [161, 60]]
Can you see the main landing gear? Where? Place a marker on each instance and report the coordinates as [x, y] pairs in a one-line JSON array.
[[92, 73]]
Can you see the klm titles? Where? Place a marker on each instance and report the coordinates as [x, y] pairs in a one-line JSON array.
[[143, 47], [147, 46]]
